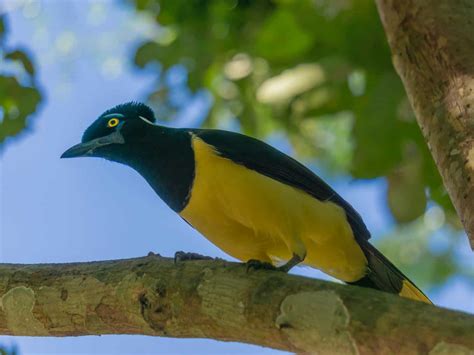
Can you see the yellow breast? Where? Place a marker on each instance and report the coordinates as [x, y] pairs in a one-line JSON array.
[[251, 216]]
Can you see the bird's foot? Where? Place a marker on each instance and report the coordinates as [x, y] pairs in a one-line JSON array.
[[259, 265], [295, 260], [183, 256]]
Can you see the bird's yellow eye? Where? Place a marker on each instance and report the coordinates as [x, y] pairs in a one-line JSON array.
[[112, 122]]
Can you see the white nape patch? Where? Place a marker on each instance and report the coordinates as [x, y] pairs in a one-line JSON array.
[[147, 121]]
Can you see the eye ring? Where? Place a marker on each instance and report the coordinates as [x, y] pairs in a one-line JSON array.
[[112, 122]]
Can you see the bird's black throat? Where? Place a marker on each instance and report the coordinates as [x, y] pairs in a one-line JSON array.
[[165, 158]]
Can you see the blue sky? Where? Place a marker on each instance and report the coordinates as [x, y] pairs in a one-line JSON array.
[[56, 210]]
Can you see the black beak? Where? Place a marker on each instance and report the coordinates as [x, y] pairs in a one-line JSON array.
[[87, 148], [79, 150]]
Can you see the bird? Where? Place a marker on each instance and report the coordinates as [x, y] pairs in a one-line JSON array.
[[252, 201]]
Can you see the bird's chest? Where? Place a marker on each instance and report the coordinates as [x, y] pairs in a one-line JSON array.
[[236, 208], [252, 216]]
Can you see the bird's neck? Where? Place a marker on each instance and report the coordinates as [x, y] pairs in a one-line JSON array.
[[165, 158]]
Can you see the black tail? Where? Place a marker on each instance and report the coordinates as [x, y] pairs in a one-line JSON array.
[[383, 275]]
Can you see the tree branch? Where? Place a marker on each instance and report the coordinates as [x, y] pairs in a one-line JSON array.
[[433, 51], [220, 300]]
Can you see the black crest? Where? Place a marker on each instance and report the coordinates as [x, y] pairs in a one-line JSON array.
[[132, 110]]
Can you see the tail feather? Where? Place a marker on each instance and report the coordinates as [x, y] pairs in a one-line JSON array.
[[383, 275]]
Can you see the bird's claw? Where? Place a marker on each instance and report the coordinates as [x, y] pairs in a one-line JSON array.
[[259, 265], [183, 256]]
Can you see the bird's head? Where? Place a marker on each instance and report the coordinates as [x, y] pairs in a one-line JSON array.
[[114, 131]]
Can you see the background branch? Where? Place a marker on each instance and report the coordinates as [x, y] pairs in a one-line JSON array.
[[219, 300], [433, 52]]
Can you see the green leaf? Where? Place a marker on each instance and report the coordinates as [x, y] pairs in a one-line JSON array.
[[22, 57], [379, 133], [17, 102], [146, 53], [281, 38]]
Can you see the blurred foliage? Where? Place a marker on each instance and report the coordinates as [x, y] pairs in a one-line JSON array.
[[320, 72], [428, 251], [317, 70], [19, 93]]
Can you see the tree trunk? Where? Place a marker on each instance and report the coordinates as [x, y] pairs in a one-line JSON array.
[[220, 300], [432, 46]]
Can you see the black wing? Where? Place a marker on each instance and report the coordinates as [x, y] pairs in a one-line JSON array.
[[266, 160]]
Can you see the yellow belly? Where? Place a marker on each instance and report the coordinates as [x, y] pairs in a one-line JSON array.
[[251, 216]]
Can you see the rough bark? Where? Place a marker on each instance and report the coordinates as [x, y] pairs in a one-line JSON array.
[[220, 300], [432, 46]]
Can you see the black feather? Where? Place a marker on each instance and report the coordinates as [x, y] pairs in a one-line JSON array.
[[132, 110]]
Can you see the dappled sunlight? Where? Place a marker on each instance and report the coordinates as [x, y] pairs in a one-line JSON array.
[[290, 83]]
